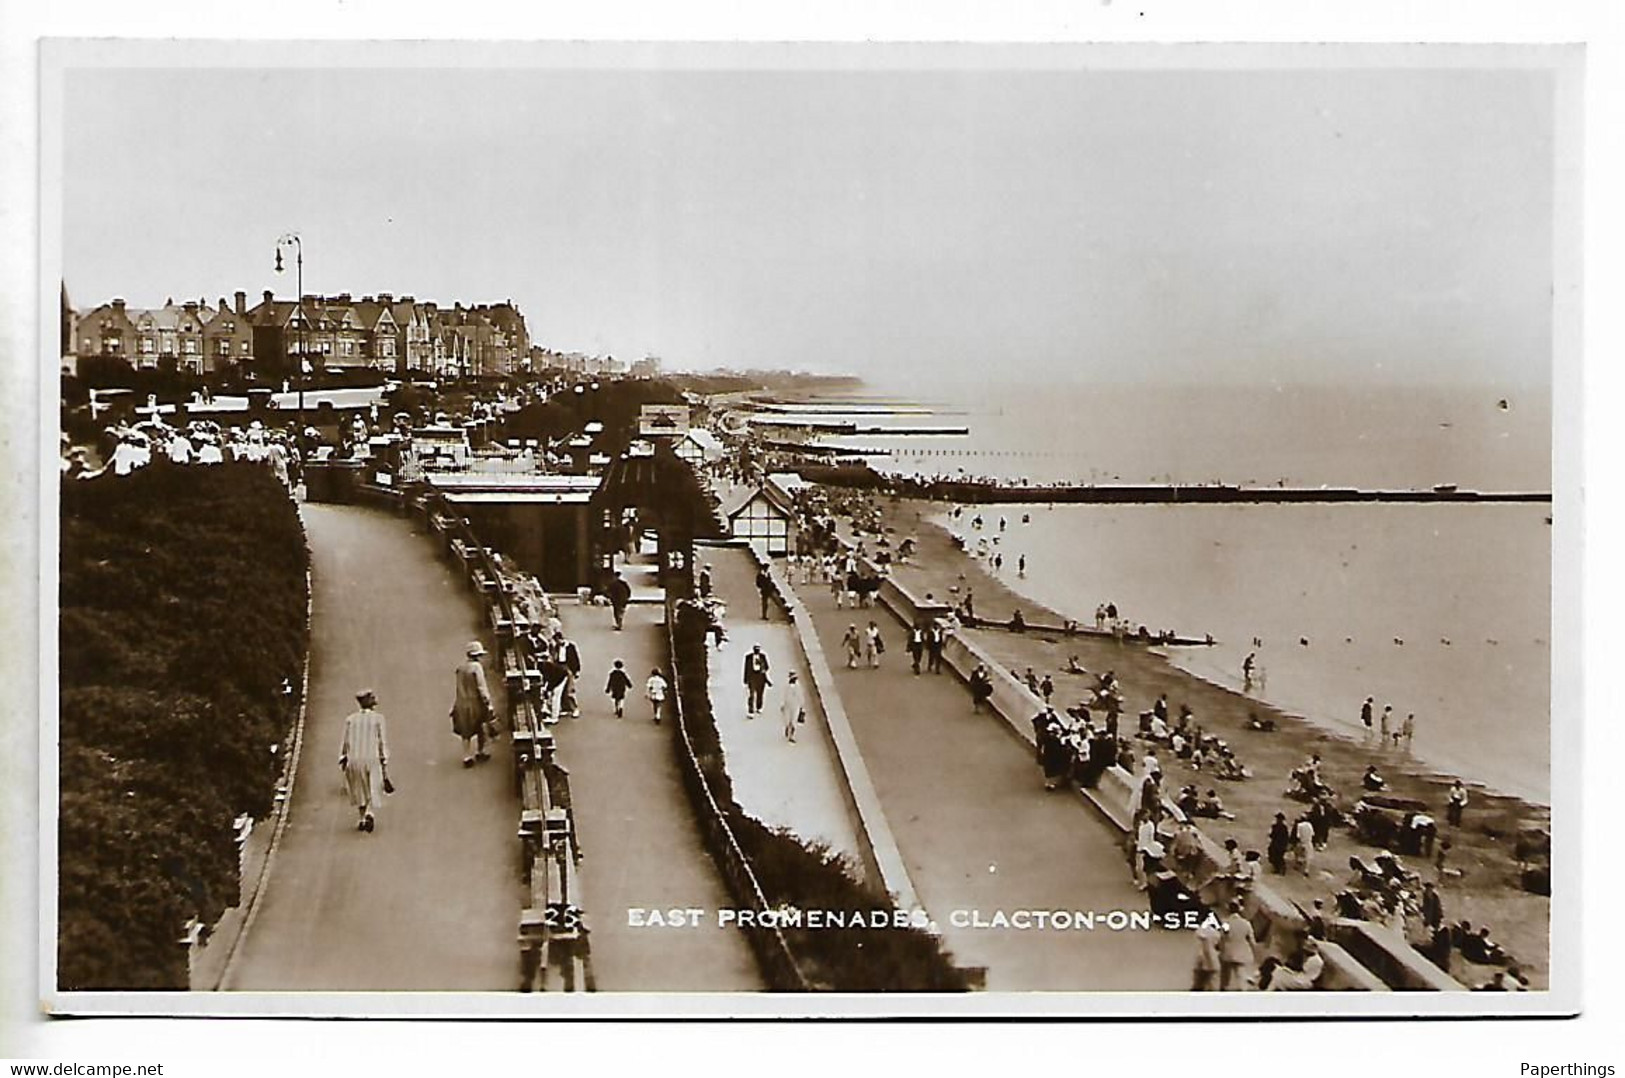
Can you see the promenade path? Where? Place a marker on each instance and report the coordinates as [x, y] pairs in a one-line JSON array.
[[431, 900], [978, 832], [641, 847], [796, 787]]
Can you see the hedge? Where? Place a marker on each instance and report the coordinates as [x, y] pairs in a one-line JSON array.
[[182, 639]]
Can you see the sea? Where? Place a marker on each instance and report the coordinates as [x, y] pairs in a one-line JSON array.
[[1441, 610]]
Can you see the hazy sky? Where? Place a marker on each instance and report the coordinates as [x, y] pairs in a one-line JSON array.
[[1289, 225]]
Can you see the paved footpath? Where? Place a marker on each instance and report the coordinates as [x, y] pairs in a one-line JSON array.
[[641, 847], [797, 787], [978, 831], [430, 901]]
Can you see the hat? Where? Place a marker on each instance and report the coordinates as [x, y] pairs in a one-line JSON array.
[[475, 649], [366, 696]]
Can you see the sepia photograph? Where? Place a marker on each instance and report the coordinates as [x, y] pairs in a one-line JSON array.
[[549, 530]]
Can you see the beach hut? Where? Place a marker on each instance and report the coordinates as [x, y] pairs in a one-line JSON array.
[[761, 516], [699, 447]]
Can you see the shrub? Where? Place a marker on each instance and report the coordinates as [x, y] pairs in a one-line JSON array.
[[182, 634]]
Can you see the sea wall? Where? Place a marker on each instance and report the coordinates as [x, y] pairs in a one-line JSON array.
[[1278, 923]]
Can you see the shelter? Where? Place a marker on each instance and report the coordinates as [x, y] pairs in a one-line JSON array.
[[761, 516], [699, 447]]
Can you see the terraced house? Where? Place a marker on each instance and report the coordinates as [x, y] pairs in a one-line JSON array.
[[399, 335]]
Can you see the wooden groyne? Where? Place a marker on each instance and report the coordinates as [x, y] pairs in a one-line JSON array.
[[983, 493]]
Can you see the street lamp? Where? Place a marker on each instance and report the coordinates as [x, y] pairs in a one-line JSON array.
[[299, 283]]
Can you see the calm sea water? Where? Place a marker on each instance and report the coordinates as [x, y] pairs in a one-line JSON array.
[[1441, 610]]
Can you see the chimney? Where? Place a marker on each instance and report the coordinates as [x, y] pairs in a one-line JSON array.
[[267, 295], [344, 297], [118, 304], [386, 297], [242, 301], [408, 299]]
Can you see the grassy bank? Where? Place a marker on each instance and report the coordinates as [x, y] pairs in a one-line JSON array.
[[1483, 885], [182, 638], [792, 873]]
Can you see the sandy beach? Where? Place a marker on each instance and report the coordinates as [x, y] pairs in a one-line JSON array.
[[1482, 884]]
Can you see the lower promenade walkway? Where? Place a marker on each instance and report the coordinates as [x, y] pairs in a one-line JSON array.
[[796, 787], [978, 832], [431, 900], [641, 847]]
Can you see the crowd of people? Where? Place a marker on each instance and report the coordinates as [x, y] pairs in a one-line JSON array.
[[127, 448]]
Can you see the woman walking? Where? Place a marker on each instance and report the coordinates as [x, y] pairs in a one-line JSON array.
[[364, 759], [472, 709], [853, 643]]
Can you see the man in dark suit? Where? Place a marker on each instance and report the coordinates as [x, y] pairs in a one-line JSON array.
[[620, 593], [756, 681], [764, 585]]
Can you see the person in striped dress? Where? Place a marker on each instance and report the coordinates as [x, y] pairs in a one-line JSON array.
[[364, 758]]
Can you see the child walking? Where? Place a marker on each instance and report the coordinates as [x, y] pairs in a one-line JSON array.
[[656, 690], [619, 685]]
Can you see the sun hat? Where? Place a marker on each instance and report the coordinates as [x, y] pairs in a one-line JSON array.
[[475, 649]]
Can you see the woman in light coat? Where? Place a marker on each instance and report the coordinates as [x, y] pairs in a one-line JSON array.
[[364, 759], [472, 709]]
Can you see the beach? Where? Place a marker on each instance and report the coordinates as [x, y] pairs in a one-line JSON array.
[[1482, 885], [1421, 606]]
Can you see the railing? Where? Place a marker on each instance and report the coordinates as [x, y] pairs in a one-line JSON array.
[[554, 941], [768, 943]]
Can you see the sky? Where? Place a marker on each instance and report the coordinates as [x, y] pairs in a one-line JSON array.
[[913, 226]]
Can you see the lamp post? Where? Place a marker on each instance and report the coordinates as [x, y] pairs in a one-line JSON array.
[[299, 283]]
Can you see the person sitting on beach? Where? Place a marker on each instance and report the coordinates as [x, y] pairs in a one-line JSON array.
[[1299, 973], [1074, 667], [1371, 780], [1157, 729], [1212, 807], [1017, 623], [1507, 980], [1178, 744], [1261, 725], [1187, 800]]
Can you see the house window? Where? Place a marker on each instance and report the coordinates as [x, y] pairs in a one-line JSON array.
[[112, 345], [245, 348], [189, 346], [146, 345]]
